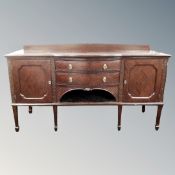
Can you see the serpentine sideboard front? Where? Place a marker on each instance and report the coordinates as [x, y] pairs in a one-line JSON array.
[[87, 74]]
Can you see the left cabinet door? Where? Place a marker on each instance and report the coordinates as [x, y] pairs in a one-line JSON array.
[[31, 80]]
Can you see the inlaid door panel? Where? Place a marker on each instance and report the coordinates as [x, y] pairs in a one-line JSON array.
[[32, 81], [142, 80]]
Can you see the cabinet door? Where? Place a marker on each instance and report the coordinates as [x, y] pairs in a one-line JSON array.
[[143, 80], [31, 81]]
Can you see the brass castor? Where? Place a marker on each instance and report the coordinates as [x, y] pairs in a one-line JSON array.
[[119, 128], [17, 129], [156, 128], [55, 128]]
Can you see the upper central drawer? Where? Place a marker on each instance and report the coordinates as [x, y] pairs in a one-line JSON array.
[[94, 65]]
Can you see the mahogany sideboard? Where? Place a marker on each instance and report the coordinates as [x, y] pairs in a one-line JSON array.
[[87, 74]]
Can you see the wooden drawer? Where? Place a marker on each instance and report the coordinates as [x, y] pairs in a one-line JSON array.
[[89, 80], [95, 65]]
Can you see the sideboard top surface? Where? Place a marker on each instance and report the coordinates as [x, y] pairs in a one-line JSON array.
[[78, 50]]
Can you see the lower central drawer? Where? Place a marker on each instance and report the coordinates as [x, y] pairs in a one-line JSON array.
[[89, 80]]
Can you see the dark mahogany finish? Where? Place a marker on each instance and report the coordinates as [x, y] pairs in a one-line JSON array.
[[88, 66], [93, 79], [87, 74], [143, 80], [31, 81]]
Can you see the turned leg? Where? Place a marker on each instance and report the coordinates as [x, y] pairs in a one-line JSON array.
[[55, 116], [30, 109], [119, 116], [143, 108], [159, 110], [15, 113]]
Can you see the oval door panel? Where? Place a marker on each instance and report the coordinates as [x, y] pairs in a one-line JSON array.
[[142, 80], [31, 80]]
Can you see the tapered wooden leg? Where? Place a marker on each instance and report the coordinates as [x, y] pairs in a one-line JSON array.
[[143, 108], [55, 116], [159, 110], [15, 113], [119, 116], [30, 109]]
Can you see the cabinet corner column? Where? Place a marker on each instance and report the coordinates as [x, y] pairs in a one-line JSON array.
[[15, 113], [55, 116], [159, 110]]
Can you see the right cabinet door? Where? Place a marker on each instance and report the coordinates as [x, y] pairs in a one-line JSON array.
[[143, 80]]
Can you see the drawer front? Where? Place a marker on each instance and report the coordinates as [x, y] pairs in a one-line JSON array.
[[89, 80], [63, 65]]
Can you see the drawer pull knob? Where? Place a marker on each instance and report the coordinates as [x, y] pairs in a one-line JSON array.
[[49, 82], [125, 81], [70, 79], [70, 66], [104, 79], [105, 66]]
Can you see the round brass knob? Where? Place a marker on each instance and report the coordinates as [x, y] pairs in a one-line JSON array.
[[105, 66], [104, 79], [70, 80], [125, 81], [70, 66], [49, 82]]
